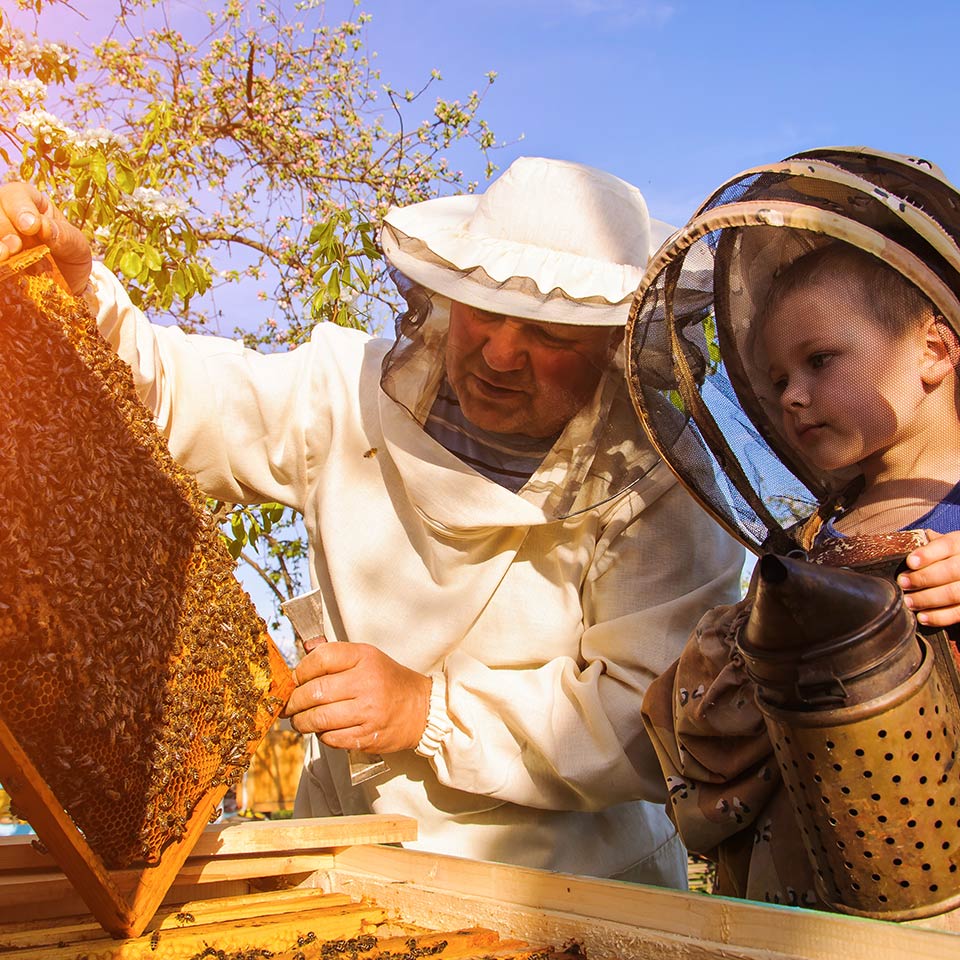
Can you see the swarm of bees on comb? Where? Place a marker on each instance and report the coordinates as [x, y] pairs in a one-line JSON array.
[[134, 670]]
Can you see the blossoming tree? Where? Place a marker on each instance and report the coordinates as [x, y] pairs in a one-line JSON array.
[[245, 159]]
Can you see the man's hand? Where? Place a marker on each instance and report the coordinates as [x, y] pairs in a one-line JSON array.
[[932, 585], [28, 218], [356, 697]]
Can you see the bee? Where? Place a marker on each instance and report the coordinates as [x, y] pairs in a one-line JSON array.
[[185, 917]]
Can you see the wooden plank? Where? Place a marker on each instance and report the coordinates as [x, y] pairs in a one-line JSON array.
[[269, 836], [245, 838], [617, 920], [274, 934], [28, 890], [216, 869], [78, 930], [52, 896], [226, 853]]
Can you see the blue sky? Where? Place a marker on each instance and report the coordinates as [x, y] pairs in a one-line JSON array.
[[673, 95], [678, 96]]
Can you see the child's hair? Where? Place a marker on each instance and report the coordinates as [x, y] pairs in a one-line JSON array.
[[895, 303]]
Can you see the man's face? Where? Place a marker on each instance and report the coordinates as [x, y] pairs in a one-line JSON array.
[[520, 376]]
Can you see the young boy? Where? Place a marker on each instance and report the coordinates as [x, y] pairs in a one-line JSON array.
[[819, 367], [876, 393]]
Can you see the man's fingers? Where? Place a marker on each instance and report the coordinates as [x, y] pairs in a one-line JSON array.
[[28, 218], [326, 718], [24, 213], [10, 244], [350, 738], [315, 690]]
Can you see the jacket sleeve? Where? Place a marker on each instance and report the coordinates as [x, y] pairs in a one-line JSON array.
[[710, 735], [567, 735], [235, 418]]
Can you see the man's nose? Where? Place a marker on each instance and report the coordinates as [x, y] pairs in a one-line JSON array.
[[505, 348]]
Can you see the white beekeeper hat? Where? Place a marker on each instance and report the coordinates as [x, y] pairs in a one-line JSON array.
[[548, 240]]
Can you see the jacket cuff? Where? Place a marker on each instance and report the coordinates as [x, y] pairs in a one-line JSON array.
[[438, 726], [89, 296]]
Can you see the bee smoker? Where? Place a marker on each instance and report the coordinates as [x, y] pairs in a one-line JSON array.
[[865, 733]]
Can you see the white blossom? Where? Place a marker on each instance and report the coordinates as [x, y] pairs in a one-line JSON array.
[[27, 89], [44, 125], [154, 205], [96, 137]]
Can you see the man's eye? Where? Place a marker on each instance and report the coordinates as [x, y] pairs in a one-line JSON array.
[[551, 339]]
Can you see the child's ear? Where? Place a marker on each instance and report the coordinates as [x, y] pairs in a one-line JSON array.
[[941, 352]]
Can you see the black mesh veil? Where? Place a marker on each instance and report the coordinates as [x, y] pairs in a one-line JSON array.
[[702, 368], [510, 356], [602, 450]]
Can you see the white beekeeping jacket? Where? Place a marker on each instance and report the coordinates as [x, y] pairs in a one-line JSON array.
[[546, 632]]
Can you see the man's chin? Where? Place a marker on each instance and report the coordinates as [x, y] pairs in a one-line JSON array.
[[492, 417]]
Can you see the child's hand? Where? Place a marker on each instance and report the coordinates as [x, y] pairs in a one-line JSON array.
[[932, 585]]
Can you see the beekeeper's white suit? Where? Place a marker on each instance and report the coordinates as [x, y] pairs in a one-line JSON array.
[[542, 616]]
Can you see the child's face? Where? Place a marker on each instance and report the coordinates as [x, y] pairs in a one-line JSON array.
[[849, 390]]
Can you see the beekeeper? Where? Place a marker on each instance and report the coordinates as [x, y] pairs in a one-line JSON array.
[[488, 526]]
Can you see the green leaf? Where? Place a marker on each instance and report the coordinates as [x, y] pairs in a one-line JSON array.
[[126, 181], [333, 285], [98, 169], [152, 258], [237, 528], [179, 283], [131, 263], [322, 234]]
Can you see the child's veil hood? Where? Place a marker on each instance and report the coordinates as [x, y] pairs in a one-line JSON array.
[[711, 414]]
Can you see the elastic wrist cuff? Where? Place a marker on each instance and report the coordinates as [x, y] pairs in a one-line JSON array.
[[89, 295], [438, 722]]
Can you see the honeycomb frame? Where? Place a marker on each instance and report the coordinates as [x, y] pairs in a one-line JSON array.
[[136, 678]]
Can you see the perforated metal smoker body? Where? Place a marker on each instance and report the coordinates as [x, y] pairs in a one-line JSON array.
[[877, 797]]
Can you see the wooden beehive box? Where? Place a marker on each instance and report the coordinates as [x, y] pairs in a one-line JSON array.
[[318, 890], [135, 676]]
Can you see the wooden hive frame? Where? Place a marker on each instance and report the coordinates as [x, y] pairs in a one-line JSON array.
[[136, 678]]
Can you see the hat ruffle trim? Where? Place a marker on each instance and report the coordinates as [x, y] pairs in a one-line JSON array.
[[516, 279]]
